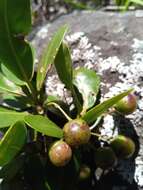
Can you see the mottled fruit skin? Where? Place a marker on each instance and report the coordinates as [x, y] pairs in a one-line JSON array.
[[123, 146], [105, 158], [127, 105], [60, 153], [84, 173], [76, 132]]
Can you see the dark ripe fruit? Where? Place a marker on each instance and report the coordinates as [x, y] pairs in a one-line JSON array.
[[84, 173], [60, 153], [105, 158], [76, 132], [123, 146], [127, 105]]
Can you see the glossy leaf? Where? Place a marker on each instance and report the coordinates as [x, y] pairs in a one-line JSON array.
[[88, 83], [43, 125], [49, 55], [98, 110], [8, 86], [11, 76], [9, 117], [63, 64], [15, 53], [51, 98], [12, 142]]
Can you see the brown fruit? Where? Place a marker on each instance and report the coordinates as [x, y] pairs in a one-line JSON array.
[[76, 132], [105, 158], [60, 153], [123, 146], [127, 105]]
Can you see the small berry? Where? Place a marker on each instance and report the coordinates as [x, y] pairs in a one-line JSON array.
[[127, 105], [123, 146], [84, 173], [76, 132], [60, 153], [105, 158]]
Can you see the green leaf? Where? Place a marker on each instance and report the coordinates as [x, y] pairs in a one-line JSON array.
[[49, 55], [50, 98], [139, 2], [63, 64], [88, 83], [12, 142], [9, 117], [98, 110], [43, 125], [15, 53], [10, 76], [9, 87]]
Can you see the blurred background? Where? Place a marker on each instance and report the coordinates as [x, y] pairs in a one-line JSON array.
[[51, 9]]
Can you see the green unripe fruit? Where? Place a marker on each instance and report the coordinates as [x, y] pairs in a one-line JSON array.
[[123, 146], [84, 173], [60, 153], [127, 105], [76, 132], [105, 158]]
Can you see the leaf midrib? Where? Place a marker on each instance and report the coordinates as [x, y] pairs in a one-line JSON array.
[[10, 42], [11, 92]]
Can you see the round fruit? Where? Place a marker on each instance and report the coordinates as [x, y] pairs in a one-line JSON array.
[[84, 172], [60, 153], [123, 146], [105, 158], [76, 132], [127, 105]]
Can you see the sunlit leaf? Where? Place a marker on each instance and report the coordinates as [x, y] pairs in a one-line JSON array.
[[43, 125], [8, 86], [49, 55], [88, 83], [9, 117], [98, 110]]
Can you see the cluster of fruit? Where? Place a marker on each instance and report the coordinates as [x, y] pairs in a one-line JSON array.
[[77, 132]]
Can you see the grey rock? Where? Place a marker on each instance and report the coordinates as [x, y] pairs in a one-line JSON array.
[[102, 28], [115, 41]]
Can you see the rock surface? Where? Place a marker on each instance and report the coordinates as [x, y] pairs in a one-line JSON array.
[[112, 44]]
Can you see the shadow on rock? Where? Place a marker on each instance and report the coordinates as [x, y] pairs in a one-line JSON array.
[[122, 178]]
